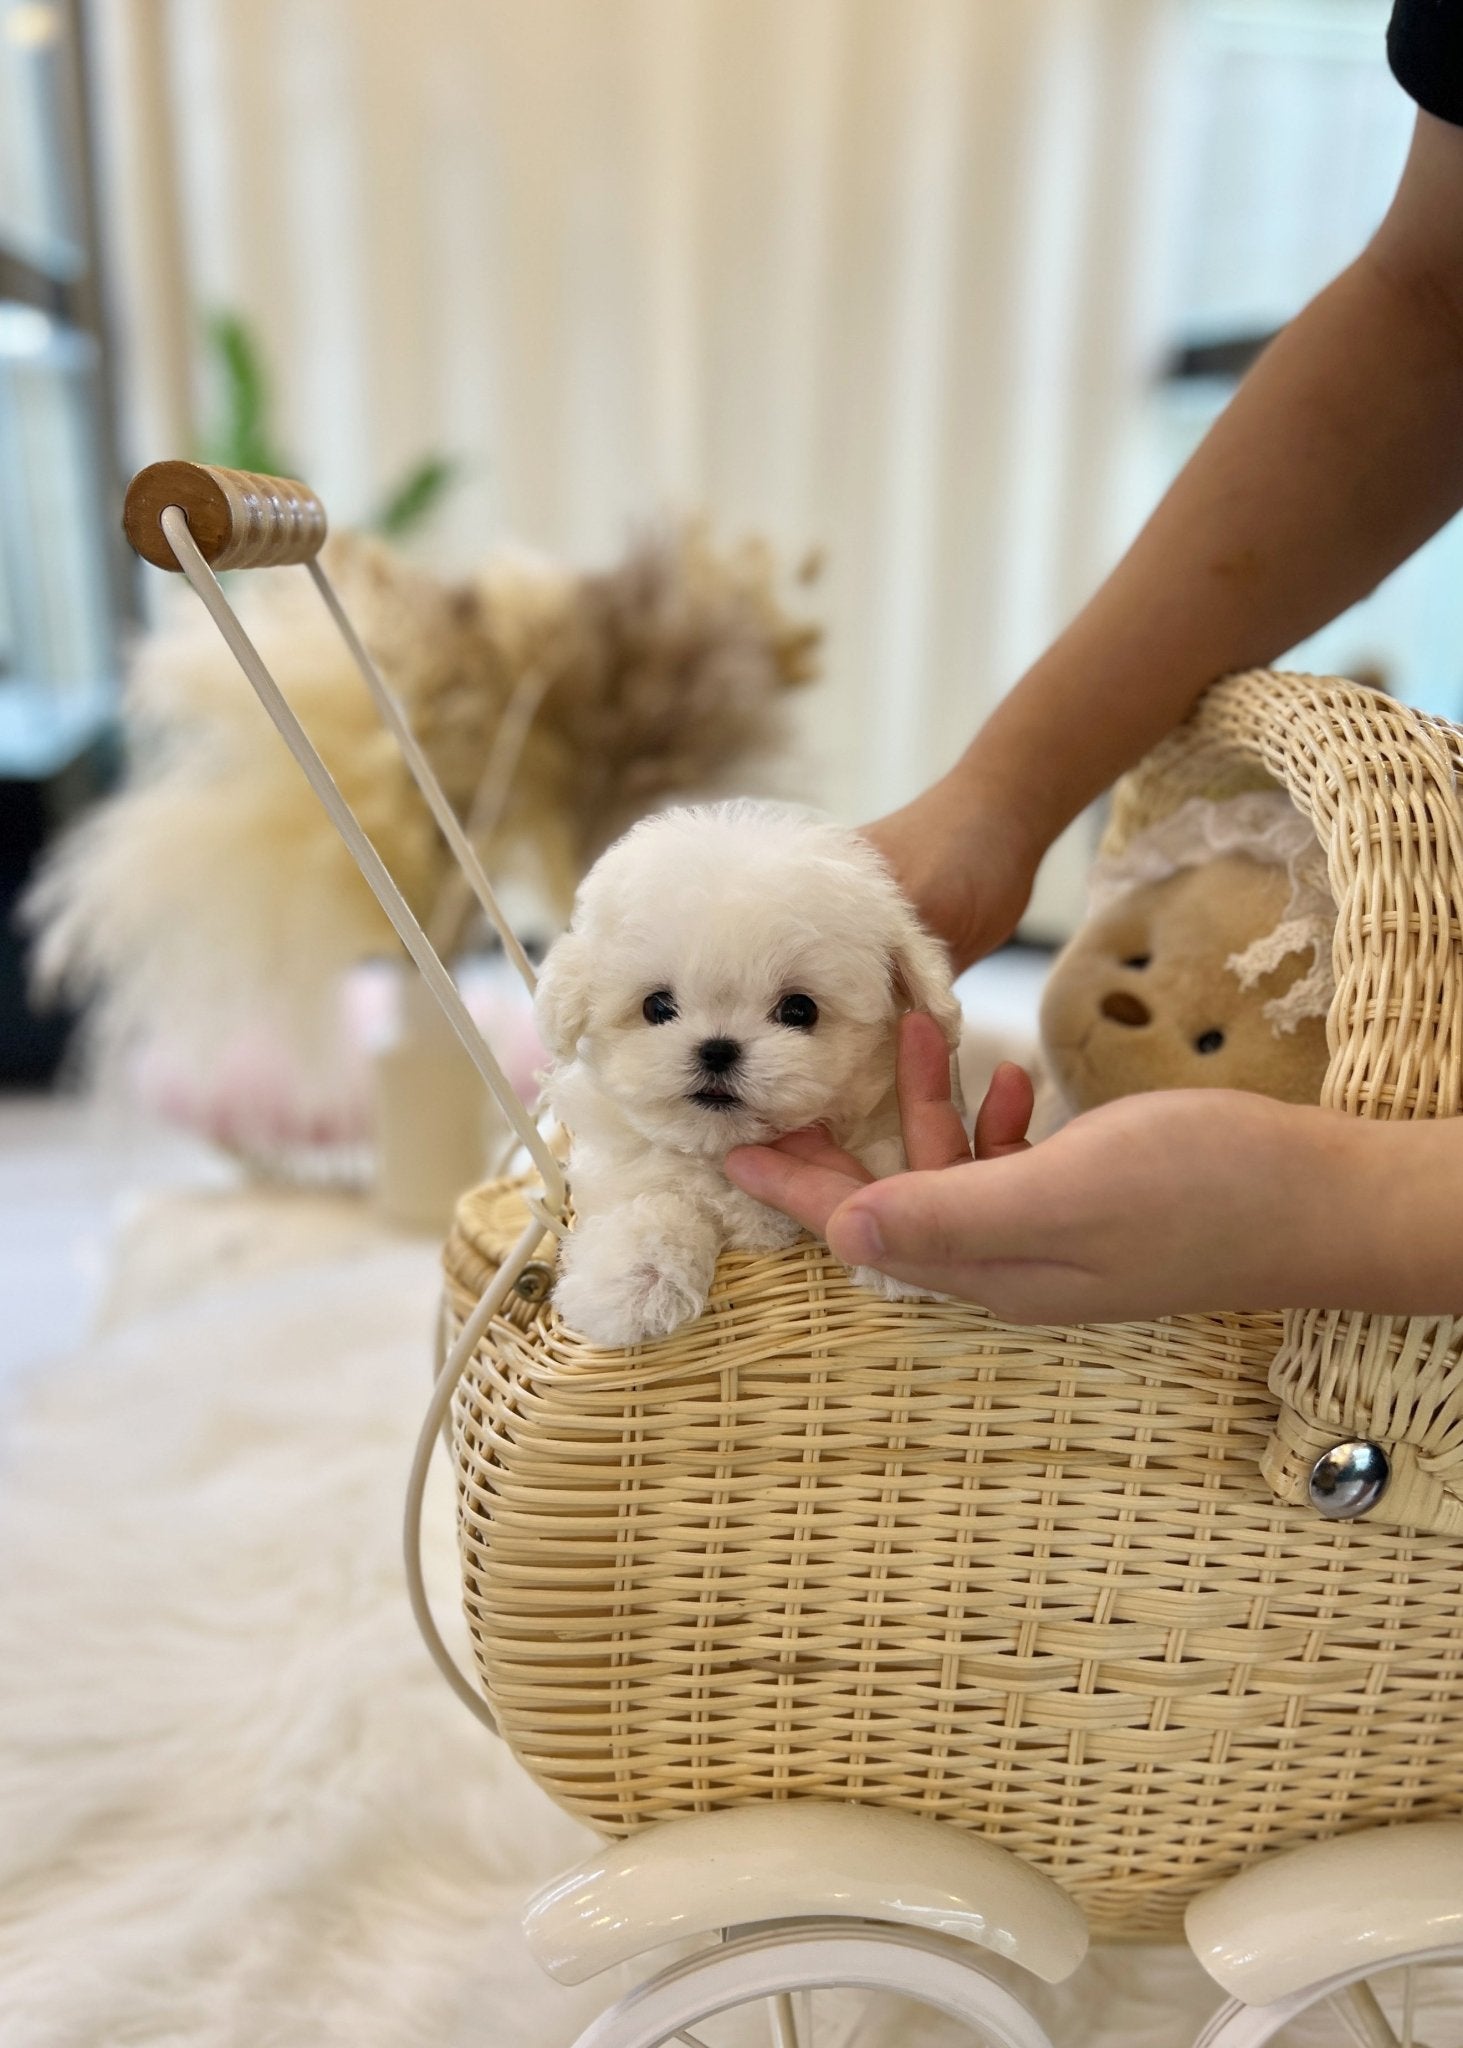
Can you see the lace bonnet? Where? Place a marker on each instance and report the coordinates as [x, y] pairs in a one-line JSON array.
[[1262, 826]]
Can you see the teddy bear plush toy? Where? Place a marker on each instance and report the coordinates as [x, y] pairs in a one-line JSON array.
[[1205, 962]]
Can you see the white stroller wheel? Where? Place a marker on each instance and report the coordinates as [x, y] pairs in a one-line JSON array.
[[1393, 2006], [772, 1965], [1352, 1939]]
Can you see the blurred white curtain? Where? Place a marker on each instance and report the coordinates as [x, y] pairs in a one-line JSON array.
[[881, 275]]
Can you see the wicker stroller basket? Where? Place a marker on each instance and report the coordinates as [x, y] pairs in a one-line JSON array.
[[1058, 1585]]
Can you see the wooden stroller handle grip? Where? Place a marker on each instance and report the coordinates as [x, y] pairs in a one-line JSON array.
[[239, 521]]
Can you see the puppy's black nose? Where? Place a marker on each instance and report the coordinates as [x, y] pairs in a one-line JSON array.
[[718, 1055]]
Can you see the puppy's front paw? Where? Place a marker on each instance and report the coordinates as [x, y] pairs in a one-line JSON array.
[[633, 1305], [636, 1301], [887, 1287], [658, 1299]]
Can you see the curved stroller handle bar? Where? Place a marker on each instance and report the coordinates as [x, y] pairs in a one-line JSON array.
[[238, 520], [181, 515]]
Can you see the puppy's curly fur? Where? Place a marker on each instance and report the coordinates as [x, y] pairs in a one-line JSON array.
[[733, 972]]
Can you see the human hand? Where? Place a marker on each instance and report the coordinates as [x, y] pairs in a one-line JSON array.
[[1196, 1199], [966, 868]]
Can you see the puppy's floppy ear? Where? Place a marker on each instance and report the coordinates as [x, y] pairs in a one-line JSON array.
[[561, 1000], [921, 969]]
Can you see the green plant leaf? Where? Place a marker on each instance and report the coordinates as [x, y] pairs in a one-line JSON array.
[[416, 497], [243, 436], [243, 430]]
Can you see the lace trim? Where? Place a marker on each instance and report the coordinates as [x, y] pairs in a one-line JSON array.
[[1263, 826]]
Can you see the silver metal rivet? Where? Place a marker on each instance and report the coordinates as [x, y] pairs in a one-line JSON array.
[[1349, 1479], [533, 1282]]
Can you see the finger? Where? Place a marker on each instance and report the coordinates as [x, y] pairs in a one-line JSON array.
[[933, 1133], [1005, 1115], [816, 1148], [807, 1193], [1021, 1291], [987, 1209]]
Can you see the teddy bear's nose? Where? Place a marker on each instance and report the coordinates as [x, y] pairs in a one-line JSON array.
[[718, 1055], [1124, 1008]]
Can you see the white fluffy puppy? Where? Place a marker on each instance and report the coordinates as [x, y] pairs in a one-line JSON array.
[[732, 972]]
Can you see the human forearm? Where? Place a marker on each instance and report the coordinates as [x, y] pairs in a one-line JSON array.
[[1382, 1203], [1338, 457]]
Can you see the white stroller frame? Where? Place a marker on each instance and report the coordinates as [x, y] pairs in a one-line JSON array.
[[802, 1896]]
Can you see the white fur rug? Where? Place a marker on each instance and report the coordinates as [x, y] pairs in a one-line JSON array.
[[238, 1807]]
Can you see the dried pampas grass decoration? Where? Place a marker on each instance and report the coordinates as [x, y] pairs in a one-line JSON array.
[[662, 676], [211, 904]]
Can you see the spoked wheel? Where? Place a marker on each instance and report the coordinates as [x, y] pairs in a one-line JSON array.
[[786, 1986], [1416, 2002]]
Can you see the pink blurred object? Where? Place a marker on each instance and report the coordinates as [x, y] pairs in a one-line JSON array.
[[502, 1011], [496, 1000], [254, 1095]]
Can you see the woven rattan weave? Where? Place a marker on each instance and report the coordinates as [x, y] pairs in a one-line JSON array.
[[1032, 1581]]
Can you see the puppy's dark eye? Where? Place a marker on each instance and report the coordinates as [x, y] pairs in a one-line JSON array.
[[1138, 960], [798, 1013], [659, 1008], [1209, 1041]]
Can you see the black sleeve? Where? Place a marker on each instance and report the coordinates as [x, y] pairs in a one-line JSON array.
[[1425, 50]]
